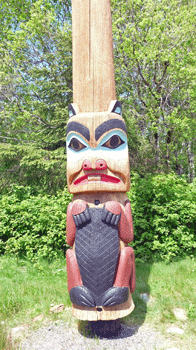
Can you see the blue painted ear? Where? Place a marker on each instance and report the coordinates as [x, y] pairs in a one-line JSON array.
[[117, 108], [72, 109]]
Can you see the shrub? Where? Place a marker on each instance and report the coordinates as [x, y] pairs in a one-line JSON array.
[[33, 226], [164, 216]]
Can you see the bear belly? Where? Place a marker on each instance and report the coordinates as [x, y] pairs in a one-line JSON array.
[[97, 249]]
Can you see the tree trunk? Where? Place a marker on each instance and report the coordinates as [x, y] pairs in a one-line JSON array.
[[191, 166]]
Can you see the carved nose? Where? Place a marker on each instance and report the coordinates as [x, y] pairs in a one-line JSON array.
[[101, 164], [87, 165]]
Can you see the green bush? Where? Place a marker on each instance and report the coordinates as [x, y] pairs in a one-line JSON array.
[[164, 216], [34, 226]]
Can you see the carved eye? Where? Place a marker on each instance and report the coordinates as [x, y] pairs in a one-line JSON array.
[[76, 145], [114, 142]]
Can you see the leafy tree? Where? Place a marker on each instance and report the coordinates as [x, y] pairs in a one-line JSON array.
[[36, 87], [155, 72]]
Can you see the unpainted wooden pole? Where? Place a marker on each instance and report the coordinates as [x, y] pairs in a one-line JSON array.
[[93, 63]]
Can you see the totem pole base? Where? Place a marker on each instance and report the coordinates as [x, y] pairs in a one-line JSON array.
[[103, 313]]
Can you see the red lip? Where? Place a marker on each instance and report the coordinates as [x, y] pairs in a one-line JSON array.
[[104, 178]]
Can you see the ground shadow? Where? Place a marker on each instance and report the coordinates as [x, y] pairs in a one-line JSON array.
[[105, 329], [129, 325]]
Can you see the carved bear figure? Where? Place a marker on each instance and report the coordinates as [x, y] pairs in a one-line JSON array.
[[100, 266]]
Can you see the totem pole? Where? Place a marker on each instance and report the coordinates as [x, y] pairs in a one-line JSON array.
[[100, 265]]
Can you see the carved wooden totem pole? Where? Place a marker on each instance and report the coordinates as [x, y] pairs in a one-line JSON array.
[[100, 265]]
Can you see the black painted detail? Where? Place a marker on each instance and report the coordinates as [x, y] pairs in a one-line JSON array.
[[114, 142], [115, 296], [82, 296], [117, 108], [109, 218], [81, 129], [109, 125], [99, 309], [82, 218], [76, 145], [71, 110], [97, 248], [97, 202]]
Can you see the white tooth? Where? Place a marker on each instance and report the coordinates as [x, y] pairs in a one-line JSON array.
[[94, 178]]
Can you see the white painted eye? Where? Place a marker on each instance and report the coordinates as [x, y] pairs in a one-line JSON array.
[[76, 145], [114, 142]]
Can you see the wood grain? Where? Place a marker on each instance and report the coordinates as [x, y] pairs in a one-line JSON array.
[[107, 313], [116, 167], [94, 96], [93, 64]]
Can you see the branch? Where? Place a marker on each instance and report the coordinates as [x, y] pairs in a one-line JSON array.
[[13, 138], [55, 145], [145, 81]]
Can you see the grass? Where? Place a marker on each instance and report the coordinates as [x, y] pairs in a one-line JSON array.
[[28, 290], [170, 286]]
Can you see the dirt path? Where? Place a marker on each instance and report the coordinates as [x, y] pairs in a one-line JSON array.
[[60, 337]]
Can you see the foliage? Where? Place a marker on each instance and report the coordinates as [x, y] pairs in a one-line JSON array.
[[35, 89], [164, 216], [33, 226], [155, 75], [26, 165]]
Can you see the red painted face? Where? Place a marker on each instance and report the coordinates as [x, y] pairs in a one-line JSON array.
[[98, 175]]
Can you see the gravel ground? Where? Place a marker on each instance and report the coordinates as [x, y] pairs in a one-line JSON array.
[[60, 337]]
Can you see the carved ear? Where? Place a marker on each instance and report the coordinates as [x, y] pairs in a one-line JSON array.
[[115, 107], [73, 109]]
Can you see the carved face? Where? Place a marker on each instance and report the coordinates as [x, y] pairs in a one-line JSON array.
[[97, 153]]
